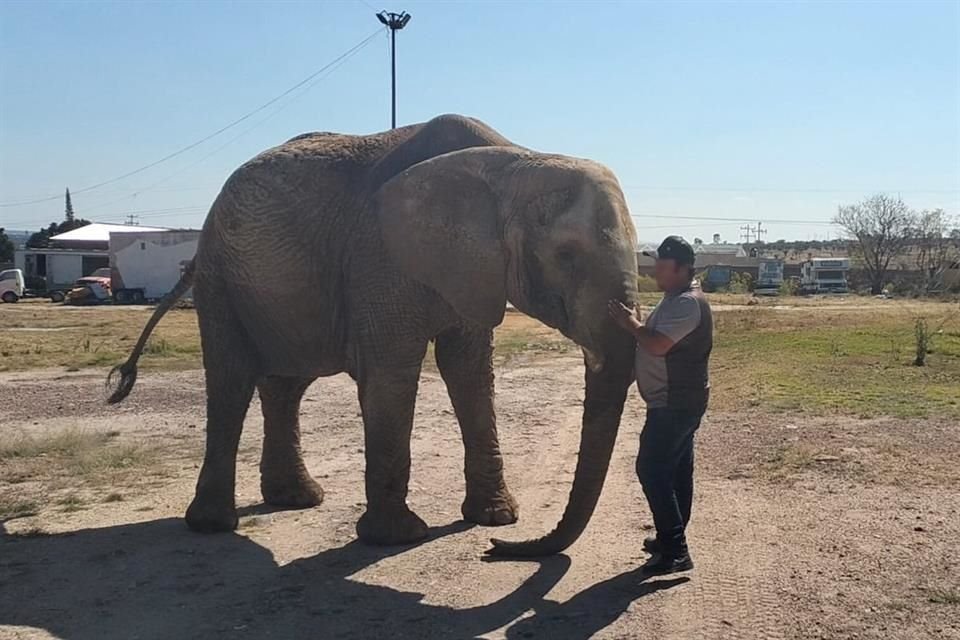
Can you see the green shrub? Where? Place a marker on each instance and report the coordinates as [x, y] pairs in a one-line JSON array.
[[740, 283], [789, 287]]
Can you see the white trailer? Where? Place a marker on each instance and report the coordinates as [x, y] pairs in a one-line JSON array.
[[146, 265], [824, 275]]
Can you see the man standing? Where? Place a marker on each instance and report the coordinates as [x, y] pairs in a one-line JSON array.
[[673, 349]]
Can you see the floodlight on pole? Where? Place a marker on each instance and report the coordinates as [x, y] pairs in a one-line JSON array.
[[394, 22]]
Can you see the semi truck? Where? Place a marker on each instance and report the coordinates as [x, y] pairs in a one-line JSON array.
[[769, 277], [824, 275]]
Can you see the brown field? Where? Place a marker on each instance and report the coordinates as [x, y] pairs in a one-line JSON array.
[[826, 506]]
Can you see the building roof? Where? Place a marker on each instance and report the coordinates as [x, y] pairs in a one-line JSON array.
[[721, 249], [725, 260], [100, 232]]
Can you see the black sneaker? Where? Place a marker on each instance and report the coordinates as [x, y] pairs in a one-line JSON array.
[[662, 564], [651, 544]]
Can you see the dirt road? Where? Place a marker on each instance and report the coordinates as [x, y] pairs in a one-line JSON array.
[[803, 528]]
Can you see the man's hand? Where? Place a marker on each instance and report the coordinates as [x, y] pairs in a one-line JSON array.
[[624, 316]]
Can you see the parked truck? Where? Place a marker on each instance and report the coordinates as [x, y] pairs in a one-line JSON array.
[[824, 275], [716, 278], [11, 285], [769, 277]]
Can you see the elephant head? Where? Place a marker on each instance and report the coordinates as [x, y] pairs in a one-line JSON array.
[[552, 235]]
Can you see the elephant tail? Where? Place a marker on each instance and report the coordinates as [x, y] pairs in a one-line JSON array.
[[128, 370]]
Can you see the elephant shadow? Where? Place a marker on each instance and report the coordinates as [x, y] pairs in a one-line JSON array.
[[156, 579]]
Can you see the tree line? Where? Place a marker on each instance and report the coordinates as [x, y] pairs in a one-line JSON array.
[[885, 232]]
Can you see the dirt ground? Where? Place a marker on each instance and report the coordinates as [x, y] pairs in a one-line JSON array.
[[803, 527]]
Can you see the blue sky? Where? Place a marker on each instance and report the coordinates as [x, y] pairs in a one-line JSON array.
[[755, 110]]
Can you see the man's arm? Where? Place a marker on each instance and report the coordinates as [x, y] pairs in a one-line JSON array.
[[671, 329]]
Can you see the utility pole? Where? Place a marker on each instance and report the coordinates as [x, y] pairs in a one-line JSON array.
[[394, 22], [760, 231], [132, 220], [747, 235]]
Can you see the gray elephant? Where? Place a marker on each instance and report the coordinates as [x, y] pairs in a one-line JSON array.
[[339, 253]]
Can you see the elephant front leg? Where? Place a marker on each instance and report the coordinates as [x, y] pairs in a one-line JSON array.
[[284, 479], [465, 360], [387, 398]]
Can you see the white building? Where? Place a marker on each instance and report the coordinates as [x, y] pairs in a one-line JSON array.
[[72, 255], [722, 249]]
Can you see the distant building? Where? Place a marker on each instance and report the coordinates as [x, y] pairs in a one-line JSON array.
[[71, 255], [720, 250]]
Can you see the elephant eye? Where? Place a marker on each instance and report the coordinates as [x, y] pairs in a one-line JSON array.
[[566, 257]]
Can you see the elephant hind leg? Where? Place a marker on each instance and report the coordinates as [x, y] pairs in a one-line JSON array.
[[284, 479], [231, 367]]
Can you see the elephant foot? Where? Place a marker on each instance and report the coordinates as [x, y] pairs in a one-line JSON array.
[[301, 492], [207, 516], [492, 511], [391, 527]]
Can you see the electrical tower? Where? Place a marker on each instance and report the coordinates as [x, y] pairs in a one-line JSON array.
[[394, 22], [748, 233], [760, 231]]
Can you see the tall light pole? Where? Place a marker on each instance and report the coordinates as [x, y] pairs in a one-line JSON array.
[[395, 22]]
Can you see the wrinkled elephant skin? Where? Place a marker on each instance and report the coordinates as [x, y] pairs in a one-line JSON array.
[[337, 253]]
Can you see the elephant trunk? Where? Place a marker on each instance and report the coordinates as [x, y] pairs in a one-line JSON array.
[[606, 392]]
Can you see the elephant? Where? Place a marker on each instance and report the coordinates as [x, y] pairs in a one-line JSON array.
[[340, 253]]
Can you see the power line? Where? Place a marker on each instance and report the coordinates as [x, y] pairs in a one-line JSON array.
[[684, 226], [256, 124], [192, 145]]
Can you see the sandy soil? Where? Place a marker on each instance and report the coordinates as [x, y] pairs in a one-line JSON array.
[[803, 528]]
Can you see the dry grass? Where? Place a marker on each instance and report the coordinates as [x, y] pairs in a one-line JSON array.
[[944, 596], [36, 335], [14, 506], [78, 452], [66, 467]]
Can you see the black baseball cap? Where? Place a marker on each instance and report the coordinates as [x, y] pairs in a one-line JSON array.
[[674, 248]]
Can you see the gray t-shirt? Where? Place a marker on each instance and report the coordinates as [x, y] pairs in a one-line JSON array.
[[678, 380]]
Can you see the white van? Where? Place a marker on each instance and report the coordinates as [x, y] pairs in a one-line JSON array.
[[11, 285]]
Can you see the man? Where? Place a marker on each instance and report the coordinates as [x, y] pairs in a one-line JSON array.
[[673, 349]]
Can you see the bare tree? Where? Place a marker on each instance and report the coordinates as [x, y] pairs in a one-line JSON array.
[[934, 249], [881, 228]]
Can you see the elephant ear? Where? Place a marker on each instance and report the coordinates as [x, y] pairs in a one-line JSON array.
[[440, 221]]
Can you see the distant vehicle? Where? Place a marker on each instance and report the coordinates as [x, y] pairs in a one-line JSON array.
[[769, 277], [11, 285], [91, 289], [716, 277], [824, 275]]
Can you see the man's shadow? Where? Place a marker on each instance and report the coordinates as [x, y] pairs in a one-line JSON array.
[[158, 580], [591, 610]]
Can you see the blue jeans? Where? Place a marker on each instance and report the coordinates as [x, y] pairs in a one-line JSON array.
[[665, 469]]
